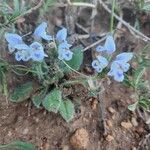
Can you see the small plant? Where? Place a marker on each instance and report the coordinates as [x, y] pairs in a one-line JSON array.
[[50, 65], [141, 87], [18, 145]]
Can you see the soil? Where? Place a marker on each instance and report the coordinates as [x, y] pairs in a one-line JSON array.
[[48, 131]]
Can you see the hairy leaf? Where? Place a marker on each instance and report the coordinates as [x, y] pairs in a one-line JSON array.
[[53, 101], [22, 92], [18, 145], [67, 110]]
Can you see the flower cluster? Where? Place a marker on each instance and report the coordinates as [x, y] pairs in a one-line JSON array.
[[64, 52], [35, 51], [118, 66]]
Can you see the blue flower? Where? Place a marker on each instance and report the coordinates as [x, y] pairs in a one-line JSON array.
[[37, 51], [23, 55], [61, 35], [13, 40], [120, 65], [64, 52], [109, 45], [100, 63], [40, 32], [23, 52]]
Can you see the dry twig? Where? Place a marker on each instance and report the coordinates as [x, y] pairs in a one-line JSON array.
[[140, 35]]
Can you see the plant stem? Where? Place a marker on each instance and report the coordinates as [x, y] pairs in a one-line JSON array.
[[112, 16]]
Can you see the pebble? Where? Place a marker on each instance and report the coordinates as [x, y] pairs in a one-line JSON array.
[[126, 125], [109, 138], [134, 122], [25, 131], [133, 148], [109, 123], [94, 104], [66, 147], [80, 139], [111, 110]]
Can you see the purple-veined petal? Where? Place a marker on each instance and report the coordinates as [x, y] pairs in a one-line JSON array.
[[13, 39], [68, 55], [116, 71], [61, 35], [100, 48], [36, 46], [37, 55], [110, 45], [18, 56], [124, 57], [40, 32], [118, 76]]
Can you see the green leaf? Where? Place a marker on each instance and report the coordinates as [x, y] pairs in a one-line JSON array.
[[37, 99], [138, 75], [146, 7], [18, 145], [53, 101], [76, 60], [16, 6], [67, 110], [145, 103], [132, 107], [22, 92]]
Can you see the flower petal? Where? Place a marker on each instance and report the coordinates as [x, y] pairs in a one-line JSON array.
[[124, 57], [61, 35], [18, 56], [21, 47], [40, 32], [100, 48], [118, 76], [36, 46], [68, 55], [37, 55], [110, 45], [103, 61], [13, 39]]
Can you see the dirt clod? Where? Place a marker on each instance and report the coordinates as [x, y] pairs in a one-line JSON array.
[[126, 125], [80, 139], [133, 148], [94, 104], [109, 123], [109, 138], [134, 122], [66, 147], [111, 110]]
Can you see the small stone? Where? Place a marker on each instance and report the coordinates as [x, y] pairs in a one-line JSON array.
[[111, 110], [126, 125], [25, 131], [134, 122], [10, 133], [133, 148], [94, 104], [109, 138], [80, 139], [109, 123], [66, 147]]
